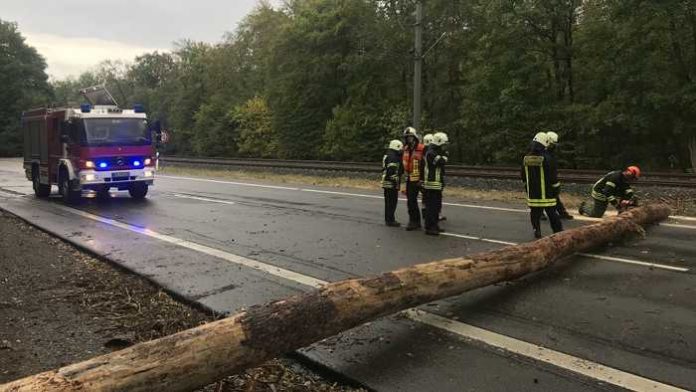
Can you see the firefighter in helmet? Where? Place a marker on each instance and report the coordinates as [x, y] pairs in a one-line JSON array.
[[541, 179], [434, 182], [391, 181], [412, 162], [550, 155], [615, 189]]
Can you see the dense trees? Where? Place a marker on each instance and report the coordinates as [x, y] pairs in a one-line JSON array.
[[23, 83], [332, 79]]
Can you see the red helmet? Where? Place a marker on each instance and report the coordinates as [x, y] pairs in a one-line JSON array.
[[634, 171]]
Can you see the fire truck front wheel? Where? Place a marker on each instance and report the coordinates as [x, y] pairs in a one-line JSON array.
[[138, 190], [40, 190], [70, 196]]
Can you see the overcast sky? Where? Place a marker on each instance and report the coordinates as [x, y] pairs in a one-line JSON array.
[[75, 35]]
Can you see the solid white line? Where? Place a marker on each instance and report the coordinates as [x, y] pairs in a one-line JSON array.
[[577, 365], [203, 199], [568, 362], [635, 262], [590, 255], [468, 237], [230, 182], [690, 227], [686, 218], [476, 206], [240, 260]]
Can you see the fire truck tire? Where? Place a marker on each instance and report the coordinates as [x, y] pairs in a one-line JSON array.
[[40, 190], [138, 190], [69, 196]]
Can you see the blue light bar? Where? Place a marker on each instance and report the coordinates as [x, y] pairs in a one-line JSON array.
[[85, 108], [136, 163], [139, 108], [102, 165]]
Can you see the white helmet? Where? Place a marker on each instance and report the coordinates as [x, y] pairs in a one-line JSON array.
[[428, 138], [542, 138], [396, 145], [410, 131], [553, 137], [440, 139]]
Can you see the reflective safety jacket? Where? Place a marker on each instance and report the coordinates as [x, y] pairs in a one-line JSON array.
[[391, 170], [541, 178], [434, 169], [412, 161], [612, 188]]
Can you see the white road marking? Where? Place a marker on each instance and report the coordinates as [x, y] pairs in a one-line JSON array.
[[686, 218], [240, 260], [179, 195], [636, 262], [495, 241], [574, 364], [476, 206], [689, 227], [568, 362], [231, 183], [469, 237], [590, 255]]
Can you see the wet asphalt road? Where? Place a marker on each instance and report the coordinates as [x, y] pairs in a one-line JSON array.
[[633, 318]]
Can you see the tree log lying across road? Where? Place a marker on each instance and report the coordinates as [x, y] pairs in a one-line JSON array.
[[202, 355]]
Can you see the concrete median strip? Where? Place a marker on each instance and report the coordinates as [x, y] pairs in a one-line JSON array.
[[547, 356]]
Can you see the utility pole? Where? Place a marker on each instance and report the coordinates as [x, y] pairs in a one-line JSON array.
[[418, 67]]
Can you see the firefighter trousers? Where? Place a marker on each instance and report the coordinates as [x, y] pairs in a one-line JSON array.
[[433, 205], [595, 208], [391, 198], [414, 213], [554, 219]]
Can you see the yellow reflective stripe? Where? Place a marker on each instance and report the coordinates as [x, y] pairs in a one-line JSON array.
[[629, 190], [556, 185], [598, 196], [543, 182], [526, 176], [394, 164], [611, 184]]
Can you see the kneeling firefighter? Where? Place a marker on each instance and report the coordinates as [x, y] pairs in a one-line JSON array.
[[614, 188], [391, 181], [434, 182], [540, 176]]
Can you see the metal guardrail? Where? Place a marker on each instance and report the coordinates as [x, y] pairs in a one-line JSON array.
[[683, 180]]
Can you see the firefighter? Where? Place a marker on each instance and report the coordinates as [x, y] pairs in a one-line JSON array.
[[434, 181], [553, 142], [614, 188], [391, 181], [541, 179], [427, 140], [412, 162]]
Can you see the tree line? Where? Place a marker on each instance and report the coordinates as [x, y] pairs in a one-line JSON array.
[[333, 79]]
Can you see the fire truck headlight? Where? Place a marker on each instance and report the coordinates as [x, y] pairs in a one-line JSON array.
[[148, 161], [149, 173], [88, 177], [89, 164]]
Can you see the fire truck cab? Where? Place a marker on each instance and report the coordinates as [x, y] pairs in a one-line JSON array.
[[92, 148]]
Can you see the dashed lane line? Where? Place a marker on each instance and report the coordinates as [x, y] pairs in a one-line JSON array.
[[509, 344], [568, 362], [501, 242], [464, 205]]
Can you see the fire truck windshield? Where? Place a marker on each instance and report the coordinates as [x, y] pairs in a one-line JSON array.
[[116, 131]]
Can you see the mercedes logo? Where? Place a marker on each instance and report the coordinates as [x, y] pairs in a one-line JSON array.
[[120, 162]]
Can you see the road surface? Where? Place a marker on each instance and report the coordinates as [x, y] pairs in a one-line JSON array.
[[620, 318]]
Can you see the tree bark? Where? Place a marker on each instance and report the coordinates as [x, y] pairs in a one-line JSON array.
[[202, 355]]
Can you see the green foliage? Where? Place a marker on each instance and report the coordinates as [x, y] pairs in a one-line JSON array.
[[332, 79], [257, 137], [24, 85]]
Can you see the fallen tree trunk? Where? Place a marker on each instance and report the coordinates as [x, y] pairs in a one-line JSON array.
[[202, 355]]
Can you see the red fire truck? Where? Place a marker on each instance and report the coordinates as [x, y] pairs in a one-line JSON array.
[[93, 148]]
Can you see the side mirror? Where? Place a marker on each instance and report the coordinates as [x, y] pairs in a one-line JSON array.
[[156, 127]]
